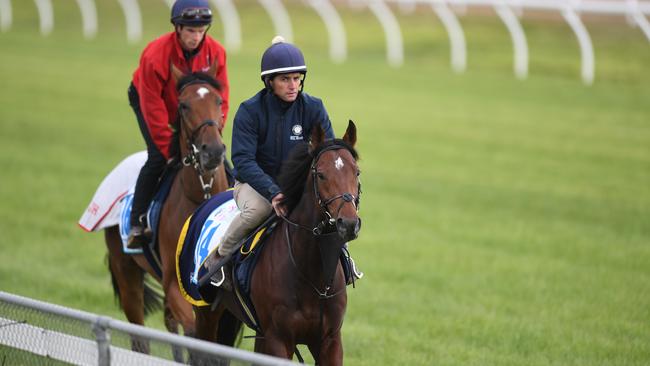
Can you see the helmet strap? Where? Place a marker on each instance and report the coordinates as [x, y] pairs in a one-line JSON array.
[[302, 82]]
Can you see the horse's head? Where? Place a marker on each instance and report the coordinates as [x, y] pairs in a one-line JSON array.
[[335, 178], [200, 119]]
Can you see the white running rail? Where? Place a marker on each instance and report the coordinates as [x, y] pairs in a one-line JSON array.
[[635, 11]]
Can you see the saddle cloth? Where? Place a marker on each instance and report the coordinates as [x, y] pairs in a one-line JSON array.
[[201, 235], [106, 205]]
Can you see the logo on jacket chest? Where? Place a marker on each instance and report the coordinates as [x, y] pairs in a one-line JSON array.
[[296, 133]]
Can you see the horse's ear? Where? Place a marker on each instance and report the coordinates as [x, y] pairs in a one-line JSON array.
[[176, 73], [317, 137], [351, 134]]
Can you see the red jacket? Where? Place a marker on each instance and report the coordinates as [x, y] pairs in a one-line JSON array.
[[157, 88]]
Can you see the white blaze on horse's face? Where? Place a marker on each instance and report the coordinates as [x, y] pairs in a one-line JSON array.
[[202, 92], [338, 163]]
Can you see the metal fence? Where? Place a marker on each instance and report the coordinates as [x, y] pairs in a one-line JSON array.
[[35, 333]]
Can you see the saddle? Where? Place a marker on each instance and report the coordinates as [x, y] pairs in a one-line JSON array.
[[200, 236]]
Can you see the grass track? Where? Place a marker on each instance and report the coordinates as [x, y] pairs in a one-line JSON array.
[[505, 222]]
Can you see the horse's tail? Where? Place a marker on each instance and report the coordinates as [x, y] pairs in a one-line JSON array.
[[153, 295], [153, 298]]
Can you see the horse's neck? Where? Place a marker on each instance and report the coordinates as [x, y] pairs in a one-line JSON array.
[[192, 186]]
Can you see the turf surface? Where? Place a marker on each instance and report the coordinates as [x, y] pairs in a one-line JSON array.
[[505, 221]]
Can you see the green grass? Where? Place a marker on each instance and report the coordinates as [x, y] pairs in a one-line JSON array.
[[505, 221]]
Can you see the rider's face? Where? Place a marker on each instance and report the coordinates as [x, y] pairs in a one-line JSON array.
[[287, 86], [190, 37]]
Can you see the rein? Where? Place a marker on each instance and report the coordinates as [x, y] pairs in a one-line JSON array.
[[321, 294]]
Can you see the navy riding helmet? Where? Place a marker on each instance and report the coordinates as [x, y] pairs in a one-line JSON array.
[[282, 58], [194, 13]]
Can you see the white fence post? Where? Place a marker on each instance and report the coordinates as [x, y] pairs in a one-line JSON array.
[[103, 338], [518, 36], [46, 16], [133, 18], [586, 48], [455, 33], [88, 17], [394, 44], [231, 24], [279, 17], [5, 15], [637, 17], [335, 28]]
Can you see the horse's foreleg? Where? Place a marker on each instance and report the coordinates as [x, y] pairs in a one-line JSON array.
[[228, 330], [329, 351], [172, 326], [207, 322], [128, 283], [179, 308], [274, 346]]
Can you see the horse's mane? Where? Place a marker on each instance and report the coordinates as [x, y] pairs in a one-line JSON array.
[[197, 77], [294, 171]]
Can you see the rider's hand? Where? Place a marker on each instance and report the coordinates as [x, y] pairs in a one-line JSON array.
[[278, 204]]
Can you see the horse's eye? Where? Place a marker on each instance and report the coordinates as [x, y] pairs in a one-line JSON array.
[[184, 106], [358, 173], [320, 176]]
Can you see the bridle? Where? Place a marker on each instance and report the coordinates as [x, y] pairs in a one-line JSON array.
[[329, 221], [192, 157]]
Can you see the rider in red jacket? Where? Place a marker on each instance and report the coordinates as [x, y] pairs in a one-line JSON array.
[[153, 97]]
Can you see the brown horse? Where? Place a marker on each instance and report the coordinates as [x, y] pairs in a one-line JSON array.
[[202, 152], [298, 289]]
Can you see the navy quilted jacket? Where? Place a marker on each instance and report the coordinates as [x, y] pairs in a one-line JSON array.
[[265, 129]]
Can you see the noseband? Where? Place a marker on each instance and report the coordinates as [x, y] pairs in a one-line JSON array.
[[192, 157]]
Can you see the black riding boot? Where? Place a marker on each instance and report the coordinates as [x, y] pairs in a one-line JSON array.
[[147, 180], [144, 190]]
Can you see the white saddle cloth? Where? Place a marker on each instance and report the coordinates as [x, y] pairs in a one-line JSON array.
[[104, 210]]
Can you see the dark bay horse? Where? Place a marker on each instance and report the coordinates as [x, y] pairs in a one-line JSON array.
[[298, 288], [202, 152]]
